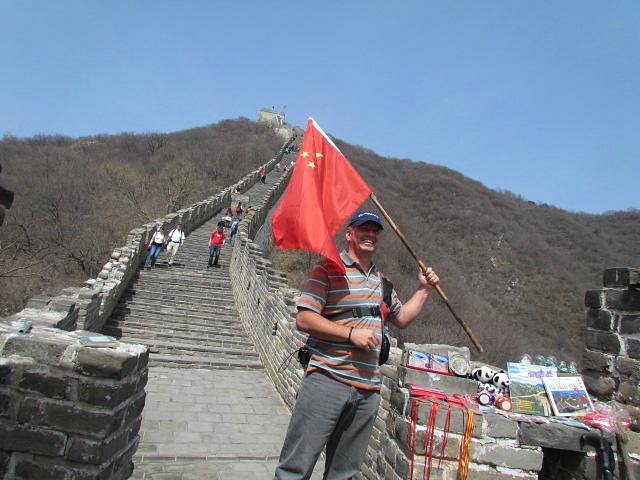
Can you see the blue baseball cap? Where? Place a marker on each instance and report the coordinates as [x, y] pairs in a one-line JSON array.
[[363, 217]]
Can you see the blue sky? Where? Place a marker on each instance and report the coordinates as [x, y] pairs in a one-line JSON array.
[[539, 98]]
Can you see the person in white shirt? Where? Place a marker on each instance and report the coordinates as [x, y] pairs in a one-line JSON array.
[[156, 242], [174, 240]]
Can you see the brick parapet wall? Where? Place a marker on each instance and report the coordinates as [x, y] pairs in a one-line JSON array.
[[68, 410], [611, 361]]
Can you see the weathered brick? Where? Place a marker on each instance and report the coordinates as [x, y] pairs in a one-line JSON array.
[[500, 427], [144, 377], [485, 472], [600, 319], [593, 299], [5, 374], [134, 410], [616, 277], [24, 438], [106, 393], [402, 465], [43, 349], [45, 382], [46, 468], [633, 346], [399, 401], [5, 458], [5, 403], [503, 455], [143, 361], [565, 464], [597, 361], [62, 304], [628, 367], [30, 467], [38, 301], [602, 386], [633, 441], [629, 323], [623, 299], [69, 417], [85, 450], [629, 392], [435, 381], [123, 468], [457, 419], [105, 362], [603, 341], [551, 435]]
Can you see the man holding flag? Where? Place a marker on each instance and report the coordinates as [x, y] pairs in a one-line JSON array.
[[340, 309]]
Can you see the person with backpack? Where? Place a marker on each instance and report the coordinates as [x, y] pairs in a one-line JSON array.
[[234, 230], [340, 308], [174, 240]]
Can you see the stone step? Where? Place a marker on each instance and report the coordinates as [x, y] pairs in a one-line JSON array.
[[229, 337], [177, 321], [181, 275], [192, 361], [151, 307], [209, 298], [191, 279], [184, 349]]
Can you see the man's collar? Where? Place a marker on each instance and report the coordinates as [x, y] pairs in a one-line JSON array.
[[350, 262]]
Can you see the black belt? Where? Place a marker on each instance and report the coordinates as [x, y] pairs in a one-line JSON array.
[[357, 312], [174, 241]]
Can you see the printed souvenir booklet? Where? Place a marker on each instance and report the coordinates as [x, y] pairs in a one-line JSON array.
[[527, 388], [428, 361], [568, 396]]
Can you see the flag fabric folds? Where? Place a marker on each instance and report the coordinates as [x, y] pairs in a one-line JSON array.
[[323, 193]]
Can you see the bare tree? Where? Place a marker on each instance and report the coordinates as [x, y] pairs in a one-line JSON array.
[[177, 181], [155, 142]]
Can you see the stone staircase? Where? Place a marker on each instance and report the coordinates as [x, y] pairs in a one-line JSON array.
[[185, 312]]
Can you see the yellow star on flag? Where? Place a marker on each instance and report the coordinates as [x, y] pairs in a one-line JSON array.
[[318, 155], [311, 164], [305, 154]]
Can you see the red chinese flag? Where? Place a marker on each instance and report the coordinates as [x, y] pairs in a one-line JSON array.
[[323, 193]]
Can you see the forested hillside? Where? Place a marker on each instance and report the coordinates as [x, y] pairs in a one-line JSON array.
[[76, 199], [515, 271]]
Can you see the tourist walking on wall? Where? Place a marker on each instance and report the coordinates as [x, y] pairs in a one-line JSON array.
[[175, 239], [263, 175], [215, 244], [239, 211], [154, 247], [339, 396], [234, 230]]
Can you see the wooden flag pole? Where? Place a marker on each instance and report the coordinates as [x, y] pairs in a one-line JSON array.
[[423, 267]]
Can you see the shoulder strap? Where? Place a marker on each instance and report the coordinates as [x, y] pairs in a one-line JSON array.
[[387, 290]]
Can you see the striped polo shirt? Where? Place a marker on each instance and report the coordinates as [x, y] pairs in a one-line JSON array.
[[331, 293]]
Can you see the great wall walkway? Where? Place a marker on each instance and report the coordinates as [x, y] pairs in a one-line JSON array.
[[211, 411]]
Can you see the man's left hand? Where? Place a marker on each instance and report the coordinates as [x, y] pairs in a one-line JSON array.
[[429, 279]]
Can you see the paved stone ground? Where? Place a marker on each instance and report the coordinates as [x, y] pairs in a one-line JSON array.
[[210, 424]]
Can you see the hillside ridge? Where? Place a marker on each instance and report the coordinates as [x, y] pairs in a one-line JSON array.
[[514, 270]]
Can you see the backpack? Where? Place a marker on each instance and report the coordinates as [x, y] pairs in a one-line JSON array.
[[385, 309]]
